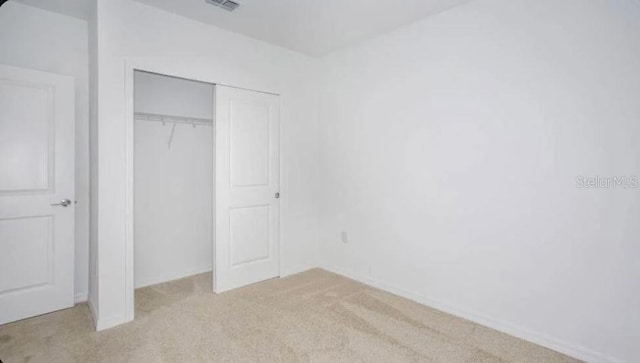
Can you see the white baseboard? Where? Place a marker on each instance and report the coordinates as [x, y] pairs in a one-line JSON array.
[[105, 323], [80, 297], [296, 269], [154, 280], [94, 313], [110, 322], [569, 349]]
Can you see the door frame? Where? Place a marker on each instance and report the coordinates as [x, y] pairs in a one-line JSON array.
[[168, 68]]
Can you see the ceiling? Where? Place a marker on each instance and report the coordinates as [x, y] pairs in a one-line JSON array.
[[314, 27], [76, 8]]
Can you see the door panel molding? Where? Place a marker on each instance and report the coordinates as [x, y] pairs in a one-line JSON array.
[[49, 173]]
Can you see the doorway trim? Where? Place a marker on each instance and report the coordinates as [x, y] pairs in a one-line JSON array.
[[168, 68]]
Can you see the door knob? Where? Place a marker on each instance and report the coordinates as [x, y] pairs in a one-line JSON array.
[[63, 203]]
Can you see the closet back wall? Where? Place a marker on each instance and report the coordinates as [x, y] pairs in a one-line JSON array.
[[173, 183]]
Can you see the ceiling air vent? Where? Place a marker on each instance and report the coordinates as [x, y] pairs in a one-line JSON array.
[[225, 4], [230, 5]]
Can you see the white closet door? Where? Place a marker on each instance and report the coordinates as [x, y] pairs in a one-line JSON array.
[[247, 183], [36, 173]]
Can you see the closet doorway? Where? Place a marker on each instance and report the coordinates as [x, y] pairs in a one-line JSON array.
[[173, 178], [206, 177]]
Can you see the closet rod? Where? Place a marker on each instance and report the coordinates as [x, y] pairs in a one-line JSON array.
[[173, 119]]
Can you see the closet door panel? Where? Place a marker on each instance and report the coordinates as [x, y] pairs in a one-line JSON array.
[[247, 186]]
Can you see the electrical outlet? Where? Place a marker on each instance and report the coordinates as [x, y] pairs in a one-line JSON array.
[[344, 237]]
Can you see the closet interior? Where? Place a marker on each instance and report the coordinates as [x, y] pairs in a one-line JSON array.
[[173, 178]]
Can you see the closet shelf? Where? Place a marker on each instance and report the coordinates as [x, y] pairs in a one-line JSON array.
[[173, 119]]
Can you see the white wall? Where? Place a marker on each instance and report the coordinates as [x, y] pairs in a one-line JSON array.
[[450, 151], [37, 39], [173, 184], [165, 43]]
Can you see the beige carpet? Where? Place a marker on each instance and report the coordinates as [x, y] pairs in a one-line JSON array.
[[315, 316]]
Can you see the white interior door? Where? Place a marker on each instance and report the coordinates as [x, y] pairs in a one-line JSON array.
[[247, 183], [36, 171]]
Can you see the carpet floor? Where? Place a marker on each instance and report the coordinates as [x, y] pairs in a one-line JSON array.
[[315, 316]]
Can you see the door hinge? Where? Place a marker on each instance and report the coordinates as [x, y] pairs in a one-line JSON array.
[[277, 195]]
